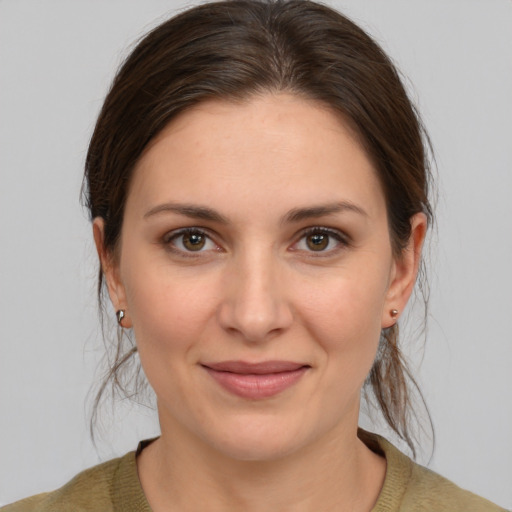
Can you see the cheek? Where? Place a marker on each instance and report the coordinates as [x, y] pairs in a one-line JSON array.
[[171, 318], [170, 311], [343, 314]]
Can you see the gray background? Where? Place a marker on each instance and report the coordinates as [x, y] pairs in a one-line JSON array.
[[56, 61]]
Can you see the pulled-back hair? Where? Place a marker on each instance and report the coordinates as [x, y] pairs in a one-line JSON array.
[[236, 49]]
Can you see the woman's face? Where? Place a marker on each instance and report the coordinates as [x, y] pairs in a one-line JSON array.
[[256, 269]]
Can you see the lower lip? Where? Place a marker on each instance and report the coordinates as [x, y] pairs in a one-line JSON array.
[[256, 386]]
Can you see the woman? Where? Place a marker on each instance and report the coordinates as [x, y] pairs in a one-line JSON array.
[[258, 186]]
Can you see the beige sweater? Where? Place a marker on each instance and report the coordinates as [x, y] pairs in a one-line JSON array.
[[114, 487]]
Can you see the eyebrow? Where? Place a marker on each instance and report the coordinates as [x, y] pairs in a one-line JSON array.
[[299, 214], [188, 210], [295, 215]]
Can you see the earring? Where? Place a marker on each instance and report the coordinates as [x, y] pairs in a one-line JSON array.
[[120, 314], [394, 313]]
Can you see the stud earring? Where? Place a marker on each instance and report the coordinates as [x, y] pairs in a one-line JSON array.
[[394, 313], [120, 314]]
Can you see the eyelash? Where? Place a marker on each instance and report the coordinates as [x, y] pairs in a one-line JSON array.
[[339, 237], [169, 238]]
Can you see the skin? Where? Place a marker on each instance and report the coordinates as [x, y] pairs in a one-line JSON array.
[[256, 291]]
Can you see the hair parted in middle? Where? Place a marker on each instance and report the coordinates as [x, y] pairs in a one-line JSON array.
[[234, 50]]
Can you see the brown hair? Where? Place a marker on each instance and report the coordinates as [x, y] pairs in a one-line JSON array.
[[233, 50]]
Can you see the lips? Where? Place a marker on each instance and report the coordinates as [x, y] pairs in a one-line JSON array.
[[256, 380]]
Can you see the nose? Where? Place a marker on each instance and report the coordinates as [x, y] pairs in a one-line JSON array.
[[254, 306]]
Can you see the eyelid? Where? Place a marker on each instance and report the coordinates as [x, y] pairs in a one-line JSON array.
[[342, 238], [176, 233]]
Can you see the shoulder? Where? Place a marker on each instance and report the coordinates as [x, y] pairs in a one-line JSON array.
[[90, 490], [429, 491], [410, 487]]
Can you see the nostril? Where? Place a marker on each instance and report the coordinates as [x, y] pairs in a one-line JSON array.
[[253, 325], [254, 306]]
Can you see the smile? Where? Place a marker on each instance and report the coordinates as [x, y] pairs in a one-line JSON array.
[[256, 380]]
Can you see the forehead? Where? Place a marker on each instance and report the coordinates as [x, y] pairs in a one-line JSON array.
[[268, 152]]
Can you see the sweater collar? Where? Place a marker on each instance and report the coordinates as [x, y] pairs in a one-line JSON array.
[[127, 493], [128, 496], [398, 472]]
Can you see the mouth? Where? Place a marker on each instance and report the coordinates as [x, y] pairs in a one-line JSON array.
[[256, 381]]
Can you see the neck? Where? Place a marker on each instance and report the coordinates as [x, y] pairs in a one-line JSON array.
[[338, 472]]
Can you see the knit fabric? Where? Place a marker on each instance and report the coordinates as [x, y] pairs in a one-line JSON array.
[[114, 487]]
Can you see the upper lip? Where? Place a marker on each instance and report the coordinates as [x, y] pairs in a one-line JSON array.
[[260, 368]]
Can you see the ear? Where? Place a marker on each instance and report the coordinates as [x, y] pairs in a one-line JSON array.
[[110, 269], [404, 271]]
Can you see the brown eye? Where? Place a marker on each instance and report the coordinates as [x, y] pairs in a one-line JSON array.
[[317, 241], [321, 240], [194, 241], [184, 242]]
